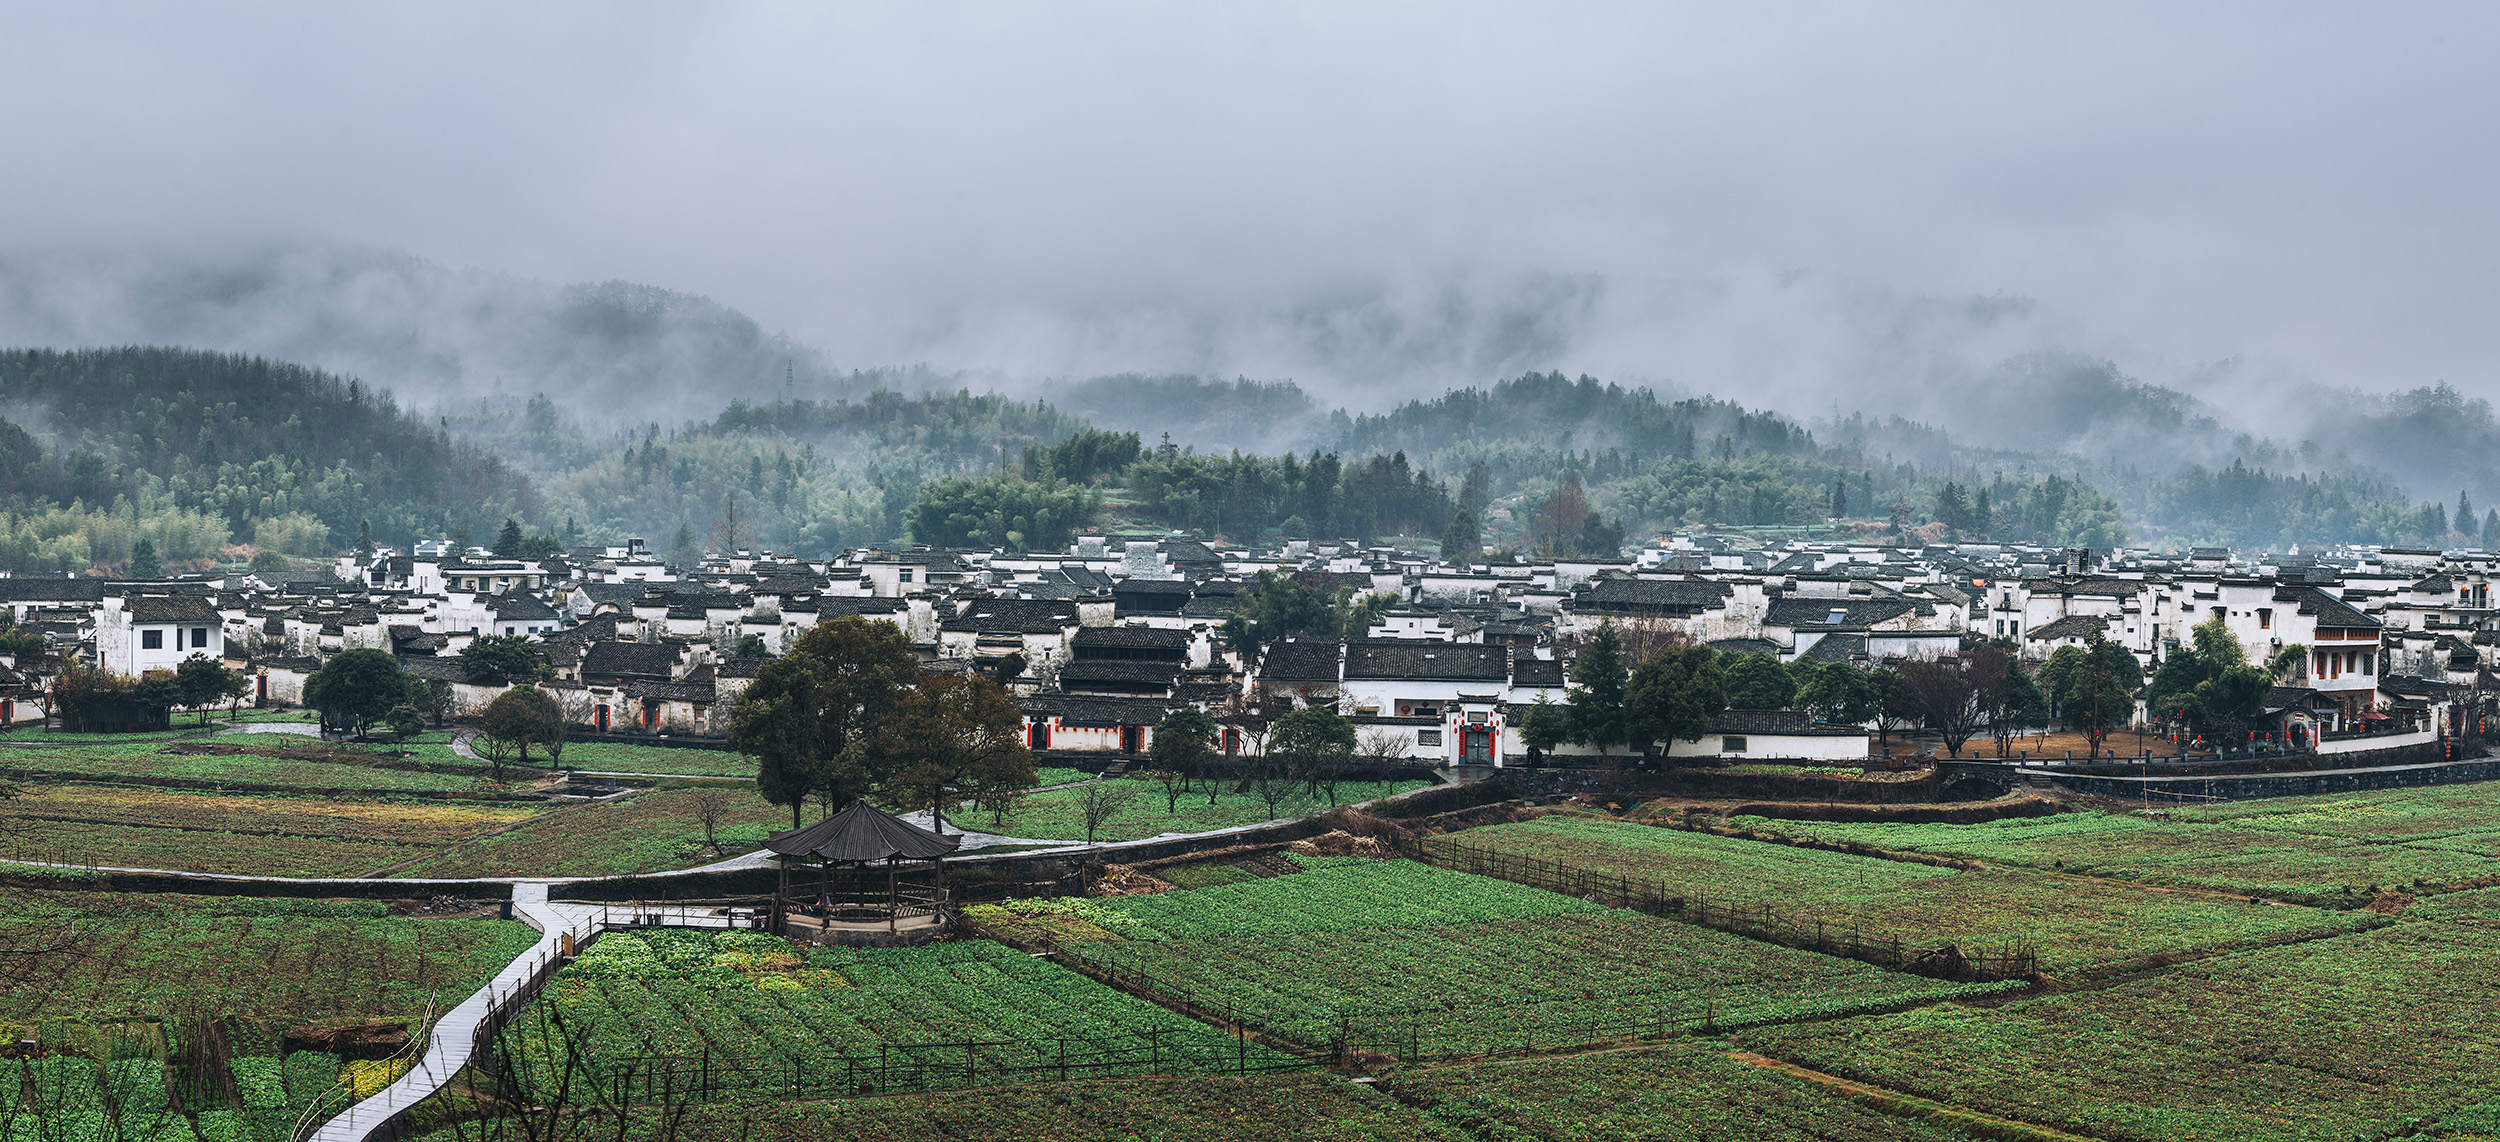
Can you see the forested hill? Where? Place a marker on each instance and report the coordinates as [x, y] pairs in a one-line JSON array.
[[197, 451]]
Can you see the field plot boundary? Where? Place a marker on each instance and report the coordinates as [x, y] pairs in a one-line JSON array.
[[1920, 1107], [1763, 922]]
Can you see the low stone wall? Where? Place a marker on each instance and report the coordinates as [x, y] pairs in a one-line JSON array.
[[2239, 787], [21, 876]]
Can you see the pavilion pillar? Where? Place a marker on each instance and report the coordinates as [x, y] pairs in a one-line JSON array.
[[890, 902]]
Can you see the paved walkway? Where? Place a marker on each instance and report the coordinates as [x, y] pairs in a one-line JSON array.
[[448, 1043]]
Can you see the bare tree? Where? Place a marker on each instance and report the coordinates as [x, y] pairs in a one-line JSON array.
[[1379, 748], [1174, 783], [1098, 803], [1944, 696], [710, 805]]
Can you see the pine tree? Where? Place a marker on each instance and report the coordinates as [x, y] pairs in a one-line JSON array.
[[364, 538], [682, 553], [508, 541], [1840, 498], [2465, 511], [143, 561], [1598, 678], [2491, 529], [1463, 541]]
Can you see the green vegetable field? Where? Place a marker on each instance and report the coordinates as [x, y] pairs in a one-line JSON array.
[[2324, 1040], [745, 1011], [2073, 923]]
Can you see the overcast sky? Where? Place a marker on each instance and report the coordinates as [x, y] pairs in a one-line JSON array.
[[1713, 196]]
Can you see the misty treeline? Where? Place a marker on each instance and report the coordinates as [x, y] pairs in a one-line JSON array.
[[195, 452]]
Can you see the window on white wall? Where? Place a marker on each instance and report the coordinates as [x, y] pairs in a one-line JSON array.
[[1731, 744], [1427, 737], [151, 640]]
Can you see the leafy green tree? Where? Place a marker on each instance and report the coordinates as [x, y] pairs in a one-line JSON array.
[[1833, 692], [405, 721], [204, 682], [1544, 725], [1275, 608], [16, 641], [497, 659], [751, 646], [1184, 743], [1001, 511], [1313, 747], [1758, 682], [2209, 686], [356, 688], [808, 716], [1675, 696], [524, 716], [1598, 679], [950, 736], [2093, 686], [143, 561], [539, 545], [269, 560]]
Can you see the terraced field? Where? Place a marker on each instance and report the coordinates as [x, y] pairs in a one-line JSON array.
[[2354, 1036], [648, 832], [1053, 814], [2073, 923], [142, 827], [1411, 960], [761, 1015], [2303, 854]]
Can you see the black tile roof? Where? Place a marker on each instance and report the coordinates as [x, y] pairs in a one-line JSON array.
[[626, 659], [1652, 594], [1818, 612], [1081, 710], [1149, 637], [1020, 616], [1526, 671], [1300, 662], [1399, 658]]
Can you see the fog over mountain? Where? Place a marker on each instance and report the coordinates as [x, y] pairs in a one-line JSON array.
[[1965, 216]]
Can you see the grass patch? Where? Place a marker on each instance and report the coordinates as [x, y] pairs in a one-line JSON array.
[[646, 832], [622, 758]]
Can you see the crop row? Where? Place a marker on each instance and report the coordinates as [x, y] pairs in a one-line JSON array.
[[2335, 1038], [1355, 895], [2072, 923], [1503, 985], [64, 1098], [1681, 1089], [401, 822], [750, 1007], [246, 960], [2224, 856]]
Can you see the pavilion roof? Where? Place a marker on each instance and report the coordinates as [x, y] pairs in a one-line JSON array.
[[862, 832]]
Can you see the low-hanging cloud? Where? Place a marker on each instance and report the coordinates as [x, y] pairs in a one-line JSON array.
[[1804, 206]]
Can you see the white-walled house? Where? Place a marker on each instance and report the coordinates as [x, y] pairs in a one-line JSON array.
[[1782, 735], [138, 633]]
